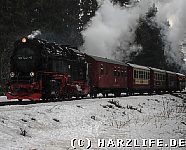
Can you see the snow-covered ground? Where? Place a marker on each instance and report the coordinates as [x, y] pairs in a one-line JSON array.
[[52, 126]]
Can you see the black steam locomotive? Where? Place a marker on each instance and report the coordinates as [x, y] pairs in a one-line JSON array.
[[43, 70]]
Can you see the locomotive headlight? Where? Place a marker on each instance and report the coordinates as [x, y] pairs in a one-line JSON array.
[[32, 74], [12, 74], [23, 40]]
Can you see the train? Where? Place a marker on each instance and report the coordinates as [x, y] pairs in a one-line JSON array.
[[41, 70]]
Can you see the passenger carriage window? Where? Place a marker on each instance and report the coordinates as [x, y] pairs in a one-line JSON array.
[[135, 74], [118, 71], [115, 71], [140, 74], [125, 73], [156, 76], [145, 75], [163, 77], [159, 76], [102, 69], [148, 75]]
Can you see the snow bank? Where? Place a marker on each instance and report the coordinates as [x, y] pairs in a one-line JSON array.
[[53, 125]]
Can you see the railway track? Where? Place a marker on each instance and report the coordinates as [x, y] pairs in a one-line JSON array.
[[28, 102], [181, 95], [6, 103]]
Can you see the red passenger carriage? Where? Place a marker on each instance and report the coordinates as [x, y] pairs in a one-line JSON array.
[[106, 76]]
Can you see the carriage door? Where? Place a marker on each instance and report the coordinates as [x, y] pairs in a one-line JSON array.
[[115, 76], [88, 73]]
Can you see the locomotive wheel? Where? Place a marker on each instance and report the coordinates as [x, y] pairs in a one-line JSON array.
[[78, 96], [141, 93], [104, 95], [107, 95], [69, 97], [149, 93], [20, 100], [130, 93], [83, 96], [117, 94], [95, 95]]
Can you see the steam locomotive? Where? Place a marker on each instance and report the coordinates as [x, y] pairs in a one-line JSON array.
[[49, 71], [42, 70]]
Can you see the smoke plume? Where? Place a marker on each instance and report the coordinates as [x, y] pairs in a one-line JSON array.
[[174, 12], [111, 31], [113, 27], [34, 34]]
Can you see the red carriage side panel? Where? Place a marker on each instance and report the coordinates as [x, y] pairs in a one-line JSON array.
[[107, 75], [92, 71], [111, 75], [130, 77]]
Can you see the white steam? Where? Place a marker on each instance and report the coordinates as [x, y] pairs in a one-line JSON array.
[[113, 27], [34, 34], [174, 12]]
